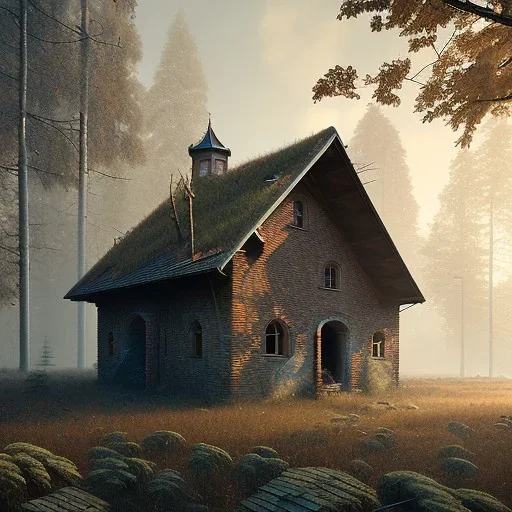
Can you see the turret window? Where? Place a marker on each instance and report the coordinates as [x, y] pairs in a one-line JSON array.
[[204, 168], [220, 166]]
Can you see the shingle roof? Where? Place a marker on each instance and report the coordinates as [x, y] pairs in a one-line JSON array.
[[225, 210]]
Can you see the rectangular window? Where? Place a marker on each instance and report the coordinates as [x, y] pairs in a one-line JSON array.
[[204, 168], [298, 214], [220, 166], [330, 277]]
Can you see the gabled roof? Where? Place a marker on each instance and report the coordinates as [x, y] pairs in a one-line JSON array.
[[228, 209], [208, 142]]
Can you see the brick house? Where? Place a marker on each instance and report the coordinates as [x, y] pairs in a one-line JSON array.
[[249, 282]]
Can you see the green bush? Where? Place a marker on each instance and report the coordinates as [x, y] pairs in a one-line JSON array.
[[162, 444]]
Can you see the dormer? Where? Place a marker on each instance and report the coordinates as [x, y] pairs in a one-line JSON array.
[[209, 155]]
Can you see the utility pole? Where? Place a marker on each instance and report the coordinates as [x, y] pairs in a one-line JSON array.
[[83, 174], [462, 369], [23, 196], [491, 269]]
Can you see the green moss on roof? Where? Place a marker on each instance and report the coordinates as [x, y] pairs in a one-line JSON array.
[[225, 208]]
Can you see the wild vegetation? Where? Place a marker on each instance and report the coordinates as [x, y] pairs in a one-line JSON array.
[[447, 430]]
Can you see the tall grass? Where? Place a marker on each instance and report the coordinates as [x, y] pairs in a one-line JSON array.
[[70, 428]]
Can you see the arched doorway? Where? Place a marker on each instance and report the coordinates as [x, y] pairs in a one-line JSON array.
[[132, 372], [334, 353]]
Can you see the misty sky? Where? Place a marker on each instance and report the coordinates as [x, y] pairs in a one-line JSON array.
[[261, 60]]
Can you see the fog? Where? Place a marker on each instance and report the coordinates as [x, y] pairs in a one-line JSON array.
[[260, 61]]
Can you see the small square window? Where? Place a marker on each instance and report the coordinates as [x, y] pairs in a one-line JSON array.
[[220, 167], [204, 168]]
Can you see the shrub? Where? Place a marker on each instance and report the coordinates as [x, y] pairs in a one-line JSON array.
[[163, 444], [454, 450], [459, 429], [208, 464], [167, 490], [265, 452], [38, 480], [61, 470], [128, 449], [113, 437], [253, 471], [459, 468], [100, 452], [109, 484], [361, 470]]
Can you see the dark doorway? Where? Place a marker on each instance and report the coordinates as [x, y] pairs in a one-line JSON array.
[[334, 352], [132, 371]]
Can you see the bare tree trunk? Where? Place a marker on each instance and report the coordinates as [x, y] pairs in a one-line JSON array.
[[82, 179], [491, 270], [23, 197]]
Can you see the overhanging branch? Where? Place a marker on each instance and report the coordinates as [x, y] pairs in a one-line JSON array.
[[483, 12]]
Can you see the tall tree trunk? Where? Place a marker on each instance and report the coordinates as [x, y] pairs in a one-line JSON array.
[[491, 271], [83, 174], [23, 197]]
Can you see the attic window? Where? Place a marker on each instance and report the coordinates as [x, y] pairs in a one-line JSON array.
[[276, 339], [298, 214], [196, 338], [378, 342], [204, 167], [332, 276], [220, 166]]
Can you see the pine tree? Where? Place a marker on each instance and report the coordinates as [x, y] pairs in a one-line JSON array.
[[462, 244], [455, 248], [377, 151], [176, 114]]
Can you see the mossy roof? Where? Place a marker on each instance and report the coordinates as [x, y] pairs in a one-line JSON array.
[[225, 210]]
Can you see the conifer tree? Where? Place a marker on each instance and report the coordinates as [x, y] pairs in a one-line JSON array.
[[175, 106], [377, 151]]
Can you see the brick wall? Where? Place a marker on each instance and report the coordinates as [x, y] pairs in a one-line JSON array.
[[286, 282], [169, 310]]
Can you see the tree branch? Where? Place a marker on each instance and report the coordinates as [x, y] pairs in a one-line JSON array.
[[41, 120], [482, 12], [109, 175], [494, 100], [43, 12]]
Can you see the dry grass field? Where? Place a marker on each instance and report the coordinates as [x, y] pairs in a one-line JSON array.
[[74, 413]]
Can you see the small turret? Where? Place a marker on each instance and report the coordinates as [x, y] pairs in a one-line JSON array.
[[209, 155]]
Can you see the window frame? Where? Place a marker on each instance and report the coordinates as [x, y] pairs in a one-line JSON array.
[[285, 333], [380, 345], [209, 167], [327, 281], [224, 167], [196, 329]]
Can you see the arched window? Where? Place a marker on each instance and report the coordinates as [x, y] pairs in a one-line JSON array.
[[196, 338], [332, 276], [298, 214], [110, 344], [378, 343], [276, 339]]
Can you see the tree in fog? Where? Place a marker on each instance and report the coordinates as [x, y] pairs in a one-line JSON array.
[[469, 69], [175, 105], [459, 241], [455, 248], [115, 127], [376, 150]]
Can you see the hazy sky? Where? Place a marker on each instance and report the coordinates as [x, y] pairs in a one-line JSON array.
[[261, 60]]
